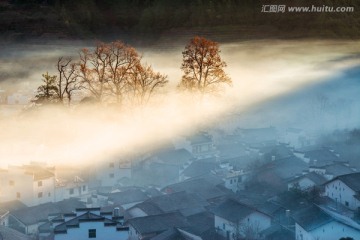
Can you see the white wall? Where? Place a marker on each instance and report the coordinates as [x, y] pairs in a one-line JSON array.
[[15, 182], [331, 231], [64, 192], [102, 232], [303, 184], [255, 219], [340, 192]]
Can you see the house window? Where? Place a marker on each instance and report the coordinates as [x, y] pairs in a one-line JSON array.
[[49, 194], [224, 226], [84, 188], [18, 195], [71, 191], [111, 175], [11, 183], [40, 194], [39, 183], [92, 233], [111, 165], [230, 181], [346, 203]]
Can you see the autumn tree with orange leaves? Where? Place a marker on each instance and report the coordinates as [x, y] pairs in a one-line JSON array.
[[114, 73], [203, 68]]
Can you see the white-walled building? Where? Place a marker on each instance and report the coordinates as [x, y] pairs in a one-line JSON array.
[[314, 224], [113, 171], [66, 189], [345, 189], [234, 220], [30, 184], [307, 181], [90, 224]]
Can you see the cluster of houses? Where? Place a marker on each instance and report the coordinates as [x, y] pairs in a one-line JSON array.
[[251, 184]]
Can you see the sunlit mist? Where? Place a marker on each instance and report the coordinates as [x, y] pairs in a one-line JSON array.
[[260, 71]]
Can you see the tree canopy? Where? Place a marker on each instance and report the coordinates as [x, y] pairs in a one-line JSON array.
[[203, 67]]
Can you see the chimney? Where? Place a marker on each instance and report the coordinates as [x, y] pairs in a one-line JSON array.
[[116, 212]]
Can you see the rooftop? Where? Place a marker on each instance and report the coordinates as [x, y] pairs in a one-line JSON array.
[[311, 218], [128, 196], [158, 223], [86, 217], [200, 186], [11, 234], [32, 215], [233, 210], [351, 180]]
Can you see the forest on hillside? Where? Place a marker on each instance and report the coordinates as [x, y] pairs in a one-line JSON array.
[[91, 18]]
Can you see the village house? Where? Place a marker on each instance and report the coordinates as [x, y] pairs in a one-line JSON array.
[[276, 174], [234, 220], [332, 170], [148, 227], [234, 180], [11, 234], [312, 223], [345, 190], [90, 223], [114, 171], [207, 187], [28, 219], [185, 203], [70, 188], [128, 198], [307, 181], [31, 184], [202, 146], [317, 156]]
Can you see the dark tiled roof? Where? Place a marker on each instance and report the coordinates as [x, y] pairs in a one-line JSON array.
[[174, 156], [201, 223], [32, 215], [12, 205], [285, 168], [313, 176], [199, 168], [270, 208], [128, 196], [199, 186], [233, 211], [338, 169], [322, 156], [86, 217], [169, 234], [11, 234], [311, 217], [351, 180], [148, 207], [179, 201], [158, 223]]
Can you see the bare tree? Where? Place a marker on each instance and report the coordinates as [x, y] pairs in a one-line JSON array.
[[92, 70], [145, 83], [67, 81], [121, 60], [203, 67]]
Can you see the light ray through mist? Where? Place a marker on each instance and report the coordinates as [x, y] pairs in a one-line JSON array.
[[260, 71]]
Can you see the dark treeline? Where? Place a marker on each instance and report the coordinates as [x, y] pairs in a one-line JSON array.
[[94, 17]]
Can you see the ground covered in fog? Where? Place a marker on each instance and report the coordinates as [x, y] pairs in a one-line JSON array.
[[308, 84]]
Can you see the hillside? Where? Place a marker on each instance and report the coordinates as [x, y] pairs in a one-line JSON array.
[[232, 19]]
